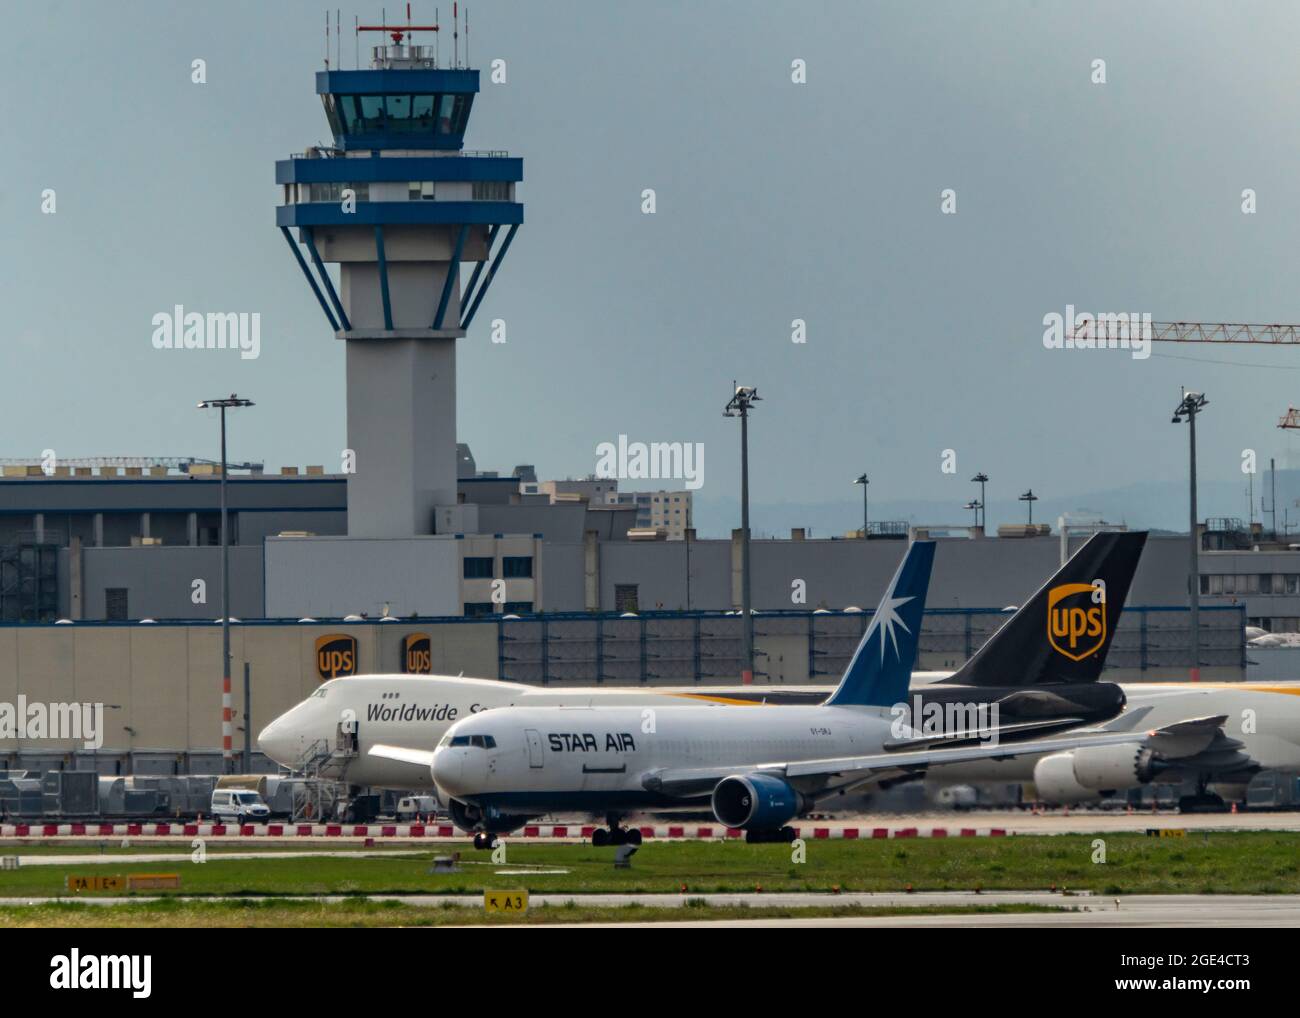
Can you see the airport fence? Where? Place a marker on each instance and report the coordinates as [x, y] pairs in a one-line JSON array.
[[707, 647]]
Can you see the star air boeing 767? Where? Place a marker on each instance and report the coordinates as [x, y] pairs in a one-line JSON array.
[[756, 768]]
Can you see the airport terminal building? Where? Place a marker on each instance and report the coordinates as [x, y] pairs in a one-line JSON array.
[[110, 589]]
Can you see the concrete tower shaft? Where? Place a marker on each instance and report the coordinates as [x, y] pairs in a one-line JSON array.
[[398, 205]]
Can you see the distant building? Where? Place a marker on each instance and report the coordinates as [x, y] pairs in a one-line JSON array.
[[670, 511]]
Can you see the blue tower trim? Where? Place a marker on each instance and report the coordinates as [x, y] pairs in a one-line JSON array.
[[383, 277], [403, 213], [457, 81], [311, 280], [478, 269], [378, 170], [452, 274], [325, 279], [496, 264]]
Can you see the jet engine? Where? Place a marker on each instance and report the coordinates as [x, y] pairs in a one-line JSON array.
[[1087, 773], [756, 802]]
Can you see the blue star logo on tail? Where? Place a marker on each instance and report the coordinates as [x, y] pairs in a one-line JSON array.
[[887, 618], [868, 682]]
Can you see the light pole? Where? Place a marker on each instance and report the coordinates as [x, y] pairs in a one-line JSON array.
[[982, 479], [1030, 498], [745, 396], [975, 507], [864, 481], [227, 728], [1188, 407]]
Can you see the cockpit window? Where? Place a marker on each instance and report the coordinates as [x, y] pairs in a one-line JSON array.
[[477, 741]]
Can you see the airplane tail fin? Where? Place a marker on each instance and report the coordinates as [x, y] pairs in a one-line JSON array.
[[881, 668], [1063, 632]]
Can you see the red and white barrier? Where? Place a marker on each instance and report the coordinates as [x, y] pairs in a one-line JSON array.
[[673, 832]]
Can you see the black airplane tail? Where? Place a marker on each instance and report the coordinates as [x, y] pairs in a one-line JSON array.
[[1063, 632]]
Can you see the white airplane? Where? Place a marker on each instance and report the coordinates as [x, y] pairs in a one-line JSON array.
[[336, 727], [757, 769], [1261, 732]]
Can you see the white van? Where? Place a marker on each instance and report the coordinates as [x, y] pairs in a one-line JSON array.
[[239, 806], [411, 806]]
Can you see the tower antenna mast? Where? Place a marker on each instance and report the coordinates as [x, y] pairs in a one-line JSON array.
[[397, 32]]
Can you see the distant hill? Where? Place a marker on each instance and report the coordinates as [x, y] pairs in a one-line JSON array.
[[1156, 505]]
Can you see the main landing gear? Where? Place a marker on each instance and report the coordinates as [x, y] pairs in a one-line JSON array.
[[614, 835]]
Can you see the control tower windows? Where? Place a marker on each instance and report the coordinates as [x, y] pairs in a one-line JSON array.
[[460, 114], [421, 190], [399, 108], [333, 191], [399, 113], [491, 190], [445, 103], [422, 112], [372, 114]]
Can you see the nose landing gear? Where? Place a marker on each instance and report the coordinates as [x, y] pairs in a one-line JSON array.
[[485, 840]]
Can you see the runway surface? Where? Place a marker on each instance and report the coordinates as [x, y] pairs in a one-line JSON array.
[[126, 858], [1174, 910]]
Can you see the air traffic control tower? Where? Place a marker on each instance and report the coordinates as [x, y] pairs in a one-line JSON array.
[[399, 204]]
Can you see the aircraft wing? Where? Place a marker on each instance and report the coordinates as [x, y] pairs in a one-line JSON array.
[[835, 774], [420, 757], [975, 734]]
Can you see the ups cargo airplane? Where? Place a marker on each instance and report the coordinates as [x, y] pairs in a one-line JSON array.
[[345, 717], [757, 769]]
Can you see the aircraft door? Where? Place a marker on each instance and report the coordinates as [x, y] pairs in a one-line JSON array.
[[347, 737], [534, 747]]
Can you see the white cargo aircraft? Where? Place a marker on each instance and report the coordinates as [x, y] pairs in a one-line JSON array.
[[757, 769], [1261, 732]]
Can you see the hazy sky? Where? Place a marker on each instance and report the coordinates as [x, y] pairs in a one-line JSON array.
[[776, 201]]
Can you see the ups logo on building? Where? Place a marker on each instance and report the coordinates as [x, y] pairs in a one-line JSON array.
[[417, 654], [336, 655], [1076, 619]]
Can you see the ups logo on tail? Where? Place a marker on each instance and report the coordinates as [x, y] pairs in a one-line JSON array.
[[336, 655], [417, 654], [1076, 619]]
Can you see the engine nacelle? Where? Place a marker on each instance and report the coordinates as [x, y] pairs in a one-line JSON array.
[[472, 819], [1087, 773], [1055, 782], [755, 802], [1111, 768]]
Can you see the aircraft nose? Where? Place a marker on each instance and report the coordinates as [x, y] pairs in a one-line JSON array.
[[277, 741], [448, 768]]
